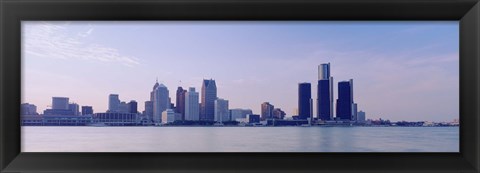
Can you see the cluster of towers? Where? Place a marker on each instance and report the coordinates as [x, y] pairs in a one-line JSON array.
[[346, 109], [188, 106]]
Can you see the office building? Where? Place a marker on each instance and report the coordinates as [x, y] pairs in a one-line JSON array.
[[148, 113], [113, 103], [278, 113], [355, 112], [221, 110], [304, 100], [180, 102], [345, 100], [28, 109], [87, 110], [168, 116], [266, 110], [132, 107], [75, 108], [324, 93], [239, 113], [252, 118], [161, 101], [60, 103], [209, 95], [192, 106], [361, 117], [115, 119]]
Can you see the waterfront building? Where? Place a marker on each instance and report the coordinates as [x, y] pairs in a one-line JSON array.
[[28, 109], [161, 101], [280, 122], [31, 120], [168, 116], [123, 108], [209, 94], [278, 113], [304, 100], [113, 103], [132, 107], [345, 100], [60, 103], [361, 117], [324, 93], [115, 119], [75, 108], [192, 107], [221, 110], [252, 118], [180, 102], [266, 110], [148, 113], [355, 112], [87, 110], [58, 112], [239, 113]]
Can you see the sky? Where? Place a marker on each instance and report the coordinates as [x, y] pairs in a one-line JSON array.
[[405, 70]]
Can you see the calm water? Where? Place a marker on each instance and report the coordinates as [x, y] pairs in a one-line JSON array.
[[240, 139]]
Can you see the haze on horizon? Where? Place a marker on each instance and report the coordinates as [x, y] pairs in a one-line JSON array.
[[401, 70]]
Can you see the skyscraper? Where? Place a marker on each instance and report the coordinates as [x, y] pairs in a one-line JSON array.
[[304, 97], [267, 111], [161, 101], [60, 103], [75, 108], [132, 107], [324, 93], [113, 103], [180, 102], [149, 110], [345, 100], [191, 105], [221, 110], [209, 94]]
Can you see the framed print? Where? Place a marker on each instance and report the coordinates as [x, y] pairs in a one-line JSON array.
[[211, 85]]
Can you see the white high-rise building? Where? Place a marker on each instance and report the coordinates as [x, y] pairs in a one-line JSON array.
[[221, 110], [161, 101], [168, 116], [192, 107], [113, 103]]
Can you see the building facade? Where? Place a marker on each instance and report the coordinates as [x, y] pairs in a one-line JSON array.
[[324, 93], [209, 95], [266, 110], [239, 113], [180, 102], [345, 100], [221, 110], [132, 107], [278, 113], [113, 103], [192, 106], [161, 101], [148, 113], [87, 110], [28, 109], [304, 100], [168, 116], [60, 103]]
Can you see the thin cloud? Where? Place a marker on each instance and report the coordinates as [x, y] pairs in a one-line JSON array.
[[53, 41]]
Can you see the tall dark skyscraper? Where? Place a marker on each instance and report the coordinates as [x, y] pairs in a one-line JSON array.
[[345, 100], [324, 93], [180, 102], [304, 99], [209, 95]]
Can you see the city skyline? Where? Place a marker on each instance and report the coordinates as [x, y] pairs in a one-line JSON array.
[[282, 94]]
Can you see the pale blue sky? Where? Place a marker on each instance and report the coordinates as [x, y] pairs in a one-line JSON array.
[[401, 70]]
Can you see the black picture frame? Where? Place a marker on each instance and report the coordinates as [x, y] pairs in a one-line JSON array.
[[14, 11]]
